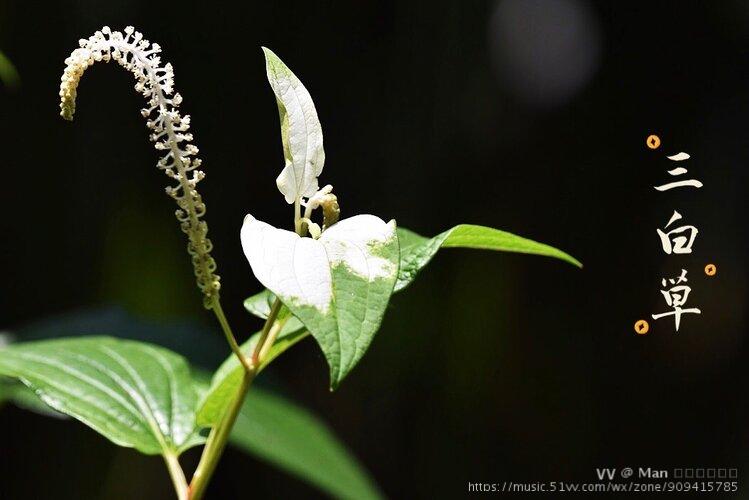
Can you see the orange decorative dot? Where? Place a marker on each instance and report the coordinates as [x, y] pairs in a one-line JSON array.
[[653, 141], [642, 327], [710, 269]]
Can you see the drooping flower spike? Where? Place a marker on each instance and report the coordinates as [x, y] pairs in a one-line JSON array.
[[169, 132]]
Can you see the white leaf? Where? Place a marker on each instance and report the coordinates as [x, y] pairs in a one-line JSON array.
[[282, 260], [301, 132], [338, 286], [347, 243]]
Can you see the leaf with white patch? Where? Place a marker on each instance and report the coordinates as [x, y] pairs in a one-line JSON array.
[[416, 252], [338, 286], [301, 132]]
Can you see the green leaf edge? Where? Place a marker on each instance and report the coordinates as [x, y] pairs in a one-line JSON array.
[[350, 481], [193, 439]]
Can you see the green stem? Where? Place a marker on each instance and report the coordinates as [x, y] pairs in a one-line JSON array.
[[216, 443], [219, 312], [265, 335], [219, 435], [177, 475], [270, 340]]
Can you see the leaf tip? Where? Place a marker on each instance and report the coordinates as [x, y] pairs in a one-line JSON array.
[[570, 259], [273, 63]]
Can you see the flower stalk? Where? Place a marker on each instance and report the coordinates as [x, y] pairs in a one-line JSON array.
[[170, 135]]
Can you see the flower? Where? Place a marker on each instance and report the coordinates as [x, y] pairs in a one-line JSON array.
[[169, 131]]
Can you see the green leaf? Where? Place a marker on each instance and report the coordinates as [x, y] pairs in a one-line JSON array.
[[259, 304], [135, 394], [14, 392], [228, 377], [293, 439], [301, 132], [417, 250], [338, 285]]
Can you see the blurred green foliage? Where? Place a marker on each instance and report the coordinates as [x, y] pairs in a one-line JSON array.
[[8, 73]]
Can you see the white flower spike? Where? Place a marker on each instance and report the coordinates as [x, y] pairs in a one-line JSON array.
[[169, 131]]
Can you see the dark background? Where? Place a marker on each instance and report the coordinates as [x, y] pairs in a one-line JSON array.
[[530, 116]]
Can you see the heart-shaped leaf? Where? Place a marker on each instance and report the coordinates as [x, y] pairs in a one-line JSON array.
[[301, 132], [135, 394], [338, 286]]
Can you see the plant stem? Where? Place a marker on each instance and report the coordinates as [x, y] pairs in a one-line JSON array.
[[264, 336], [177, 475], [219, 312], [217, 442], [219, 435], [265, 347]]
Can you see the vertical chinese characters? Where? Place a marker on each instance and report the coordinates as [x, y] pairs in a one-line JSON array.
[[676, 239]]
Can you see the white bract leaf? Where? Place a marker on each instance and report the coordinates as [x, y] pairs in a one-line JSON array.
[[338, 285], [282, 260], [301, 132]]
